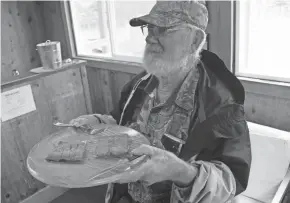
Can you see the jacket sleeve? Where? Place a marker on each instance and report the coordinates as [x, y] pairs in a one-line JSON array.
[[236, 153], [224, 173]]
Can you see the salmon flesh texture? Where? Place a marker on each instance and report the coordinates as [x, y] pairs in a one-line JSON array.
[[65, 151], [103, 146], [100, 146]]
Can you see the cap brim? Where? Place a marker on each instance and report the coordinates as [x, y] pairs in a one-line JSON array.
[[156, 20], [143, 20], [136, 22]]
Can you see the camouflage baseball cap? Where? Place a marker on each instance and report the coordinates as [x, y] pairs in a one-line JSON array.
[[172, 13]]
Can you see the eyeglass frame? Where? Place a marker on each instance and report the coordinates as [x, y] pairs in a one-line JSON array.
[[165, 28]]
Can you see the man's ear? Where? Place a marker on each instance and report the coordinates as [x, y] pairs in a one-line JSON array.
[[198, 38]]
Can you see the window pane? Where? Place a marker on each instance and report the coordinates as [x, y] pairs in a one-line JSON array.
[[263, 38], [90, 30], [101, 28], [129, 40]]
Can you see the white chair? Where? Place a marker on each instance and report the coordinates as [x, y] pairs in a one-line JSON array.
[[270, 171]]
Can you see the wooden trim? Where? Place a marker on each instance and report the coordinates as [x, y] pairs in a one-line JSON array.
[[267, 88], [234, 32], [262, 81], [32, 76], [67, 21], [278, 198], [263, 77], [45, 195], [103, 22], [219, 28], [83, 72], [236, 42], [114, 65], [111, 25]]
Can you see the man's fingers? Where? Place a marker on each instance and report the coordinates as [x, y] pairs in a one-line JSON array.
[[107, 119], [78, 121], [75, 122], [144, 149], [131, 176], [138, 173], [142, 173], [148, 181]]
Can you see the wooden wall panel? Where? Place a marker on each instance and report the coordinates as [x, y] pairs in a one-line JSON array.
[[95, 84], [105, 87], [54, 29], [13, 169], [22, 29], [268, 104], [119, 80], [219, 28], [268, 110], [25, 24], [58, 96]]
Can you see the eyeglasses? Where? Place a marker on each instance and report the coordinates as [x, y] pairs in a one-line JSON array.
[[154, 30]]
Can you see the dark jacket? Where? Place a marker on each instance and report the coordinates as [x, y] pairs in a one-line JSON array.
[[219, 130]]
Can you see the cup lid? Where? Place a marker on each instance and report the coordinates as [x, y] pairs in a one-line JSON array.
[[47, 43]]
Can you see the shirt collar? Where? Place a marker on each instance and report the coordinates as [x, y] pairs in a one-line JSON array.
[[186, 93]]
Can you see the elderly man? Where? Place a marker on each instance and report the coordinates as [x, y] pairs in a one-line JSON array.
[[190, 107]]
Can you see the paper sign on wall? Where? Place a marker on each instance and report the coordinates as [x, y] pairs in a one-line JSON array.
[[17, 102]]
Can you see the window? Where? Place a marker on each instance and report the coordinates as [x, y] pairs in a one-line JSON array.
[[101, 28], [263, 39]]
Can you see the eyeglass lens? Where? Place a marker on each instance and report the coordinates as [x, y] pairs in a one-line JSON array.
[[152, 29]]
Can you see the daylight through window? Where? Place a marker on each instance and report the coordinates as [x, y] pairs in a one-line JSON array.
[[101, 28], [263, 39]]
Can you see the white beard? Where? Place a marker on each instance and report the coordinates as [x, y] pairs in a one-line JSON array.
[[161, 67]]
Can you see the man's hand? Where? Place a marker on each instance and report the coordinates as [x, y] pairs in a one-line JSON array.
[[92, 120], [161, 166]]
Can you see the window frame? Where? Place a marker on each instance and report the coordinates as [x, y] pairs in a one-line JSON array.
[[228, 54], [235, 53], [71, 41]]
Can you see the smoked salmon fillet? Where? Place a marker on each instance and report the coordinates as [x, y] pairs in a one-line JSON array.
[[99, 147], [104, 146], [65, 151]]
